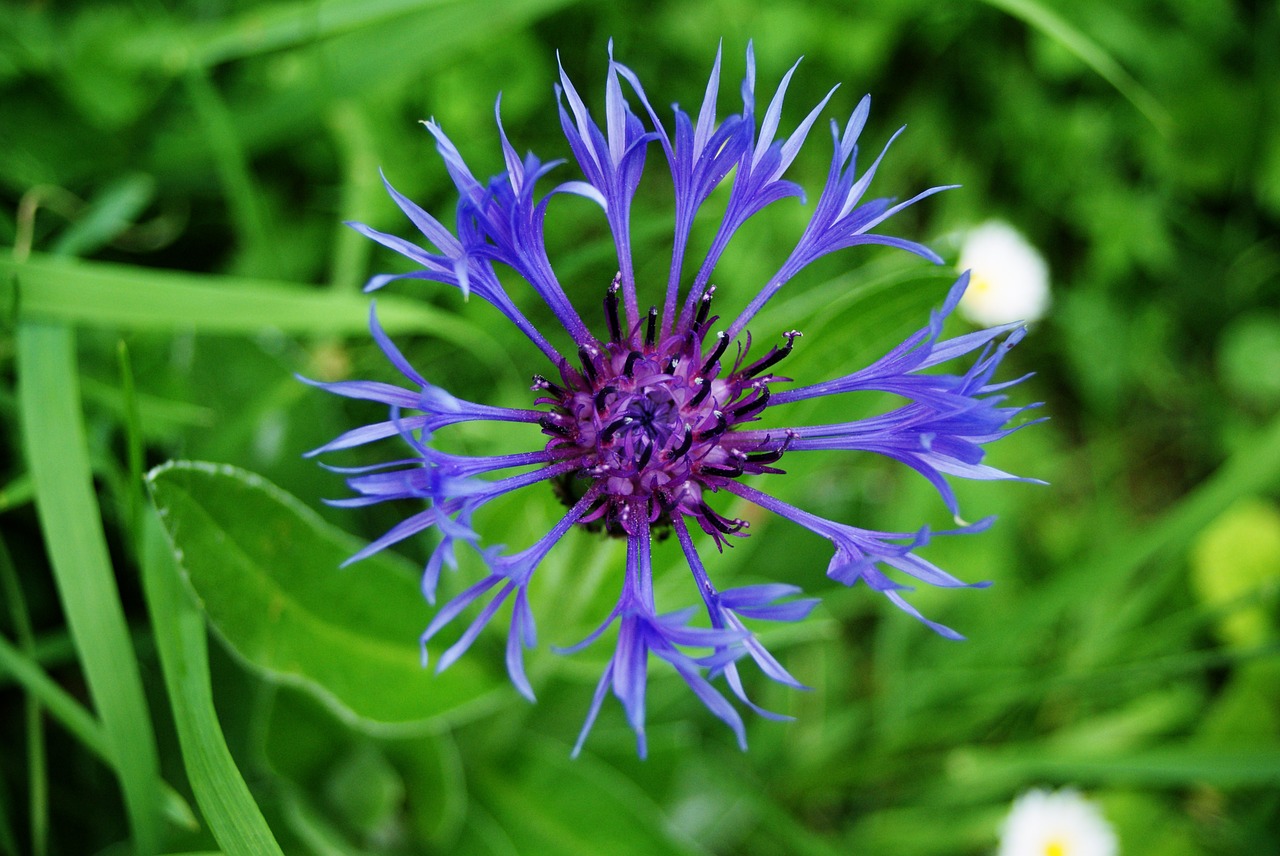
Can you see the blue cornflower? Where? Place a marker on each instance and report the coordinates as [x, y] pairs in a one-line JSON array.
[[651, 416]]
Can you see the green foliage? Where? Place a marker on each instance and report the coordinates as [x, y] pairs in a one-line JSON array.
[[224, 799], [57, 454], [174, 179], [265, 570]]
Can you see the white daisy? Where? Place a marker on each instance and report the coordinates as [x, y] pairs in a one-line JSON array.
[[1009, 280], [1056, 823]]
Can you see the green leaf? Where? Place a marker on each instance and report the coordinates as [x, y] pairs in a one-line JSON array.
[[119, 296], [1250, 470], [71, 715], [1091, 54], [18, 492], [331, 63], [111, 212], [312, 753], [1170, 766], [1249, 358], [553, 804], [272, 27], [243, 195], [224, 798], [37, 760], [1235, 562], [53, 429], [8, 840], [266, 570]]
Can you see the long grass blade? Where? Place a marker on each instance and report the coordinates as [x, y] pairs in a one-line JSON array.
[[8, 841], [37, 762], [133, 436], [1091, 54], [71, 715], [17, 493], [290, 24], [224, 798], [1249, 471], [53, 430], [134, 298], [249, 211]]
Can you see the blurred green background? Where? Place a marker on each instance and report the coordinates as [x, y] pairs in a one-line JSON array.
[[174, 176]]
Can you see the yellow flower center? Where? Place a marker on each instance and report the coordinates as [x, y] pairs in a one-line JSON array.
[[979, 285], [1056, 847]]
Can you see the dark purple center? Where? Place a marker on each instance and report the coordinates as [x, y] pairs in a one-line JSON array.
[[650, 420]]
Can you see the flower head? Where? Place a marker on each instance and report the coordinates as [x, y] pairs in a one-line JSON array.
[[652, 414], [1009, 278], [1056, 823]]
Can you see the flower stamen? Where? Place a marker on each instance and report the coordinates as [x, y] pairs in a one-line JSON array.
[[722, 342], [653, 423], [611, 310], [775, 356]]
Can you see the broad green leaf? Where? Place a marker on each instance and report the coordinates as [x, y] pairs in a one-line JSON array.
[[266, 570], [57, 452]]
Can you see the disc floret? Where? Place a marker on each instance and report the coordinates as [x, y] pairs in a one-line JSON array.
[[650, 419]]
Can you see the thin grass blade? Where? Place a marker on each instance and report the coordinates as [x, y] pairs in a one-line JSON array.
[[224, 798], [1091, 54], [53, 431], [133, 298]]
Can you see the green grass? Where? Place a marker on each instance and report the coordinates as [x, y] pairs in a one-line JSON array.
[[175, 178], [57, 453], [224, 798]]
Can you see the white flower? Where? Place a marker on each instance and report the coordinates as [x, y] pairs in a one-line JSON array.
[[1056, 823], [1009, 280]]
